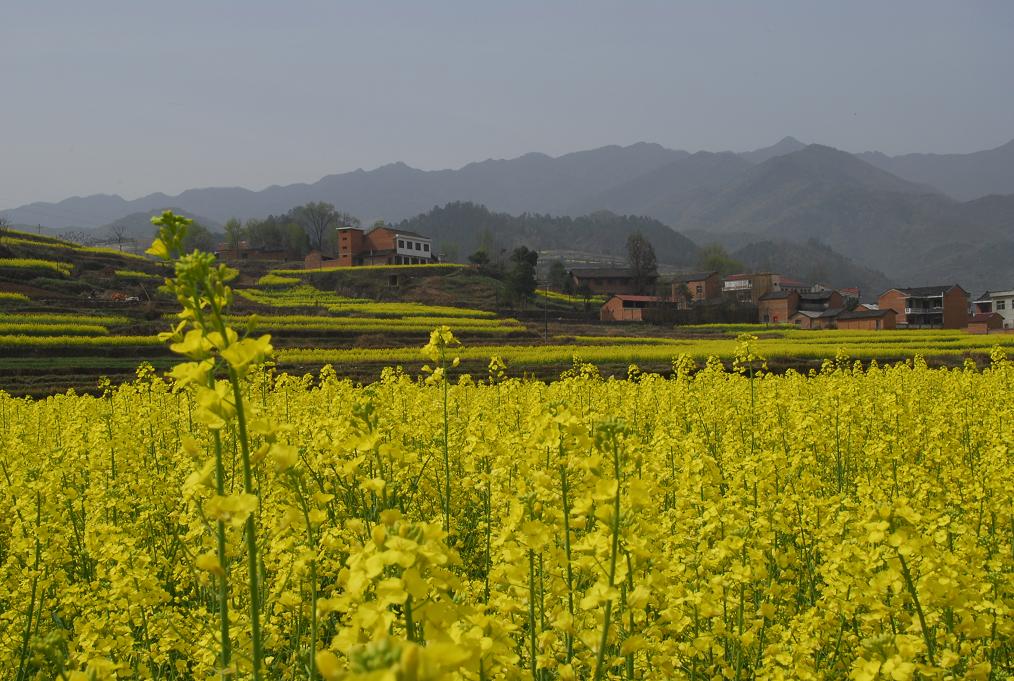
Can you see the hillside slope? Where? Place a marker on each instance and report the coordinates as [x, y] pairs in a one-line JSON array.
[[961, 176], [469, 226]]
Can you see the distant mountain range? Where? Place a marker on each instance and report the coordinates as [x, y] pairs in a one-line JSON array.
[[919, 218]]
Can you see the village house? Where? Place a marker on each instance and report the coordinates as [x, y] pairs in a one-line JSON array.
[[629, 308], [818, 301], [816, 319], [781, 306], [379, 246], [748, 288], [927, 307], [609, 280], [1000, 302], [775, 307], [790, 284], [982, 304], [696, 288], [984, 322], [867, 320]]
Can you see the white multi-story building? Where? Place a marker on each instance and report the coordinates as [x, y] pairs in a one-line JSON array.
[[1003, 305]]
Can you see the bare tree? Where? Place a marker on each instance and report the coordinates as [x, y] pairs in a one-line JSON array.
[[317, 218], [5, 228], [118, 231]]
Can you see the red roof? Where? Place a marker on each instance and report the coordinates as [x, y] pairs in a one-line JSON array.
[[736, 277], [984, 317]]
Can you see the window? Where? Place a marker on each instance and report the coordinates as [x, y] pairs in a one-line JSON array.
[[1001, 304], [418, 246], [426, 247], [700, 289]]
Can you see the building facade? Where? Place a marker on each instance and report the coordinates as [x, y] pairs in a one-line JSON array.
[[867, 320], [748, 288], [627, 308], [927, 307], [775, 307], [696, 288], [381, 246], [984, 322], [1003, 305], [609, 280]]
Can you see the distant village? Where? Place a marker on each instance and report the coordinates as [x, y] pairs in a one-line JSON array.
[[703, 297]]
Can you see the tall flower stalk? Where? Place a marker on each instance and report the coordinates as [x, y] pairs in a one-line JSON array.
[[201, 287]]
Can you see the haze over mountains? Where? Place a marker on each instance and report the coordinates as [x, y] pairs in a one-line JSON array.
[[918, 218]]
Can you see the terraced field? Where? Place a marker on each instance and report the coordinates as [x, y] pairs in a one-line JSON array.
[[69, 315]]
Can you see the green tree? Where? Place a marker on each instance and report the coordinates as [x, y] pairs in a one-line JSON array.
[[714, 258], [198, 238], [641, 259], [295, 239], [521, 280], [557, 275], [480, 258], [233, 233], [266, 233]]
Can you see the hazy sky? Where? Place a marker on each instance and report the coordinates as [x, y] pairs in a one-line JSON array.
[[139, 96]]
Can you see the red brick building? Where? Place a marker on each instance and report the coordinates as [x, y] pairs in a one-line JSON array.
[[928, 307], [775, 307], [867, 320], [816, 319], [379, 246], [984, 322], [696, 288], [748, 288], [628, 308]]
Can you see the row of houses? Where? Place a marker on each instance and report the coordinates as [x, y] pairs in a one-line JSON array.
[[783, 300]]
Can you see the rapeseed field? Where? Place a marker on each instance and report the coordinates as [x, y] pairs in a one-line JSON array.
[[230, 522]]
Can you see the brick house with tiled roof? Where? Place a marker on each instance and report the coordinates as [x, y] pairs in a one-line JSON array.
[[629, 308], [379, 246], [609, 280], [928, 307], [696, 288], [867, 320], [775, 307]]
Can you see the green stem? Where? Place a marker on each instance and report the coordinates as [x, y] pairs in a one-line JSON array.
[[251, 530], [614, 552], [569, 638], [447, 467], [918, 607]]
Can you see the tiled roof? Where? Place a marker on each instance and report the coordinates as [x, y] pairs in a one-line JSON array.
[[775, 295], [693, 276], [865, 314], [829, 313], [927, 291], [817, 296], [984, 317], [403, 232]]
